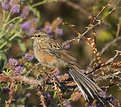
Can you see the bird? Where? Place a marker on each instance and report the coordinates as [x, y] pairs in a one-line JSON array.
[[52, 54]]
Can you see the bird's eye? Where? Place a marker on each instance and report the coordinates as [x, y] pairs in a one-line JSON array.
[[38, 35]]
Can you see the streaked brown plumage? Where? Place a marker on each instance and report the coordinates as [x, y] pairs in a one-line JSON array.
[[51, 54]]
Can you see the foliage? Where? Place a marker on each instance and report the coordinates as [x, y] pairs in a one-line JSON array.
[[23, 79]]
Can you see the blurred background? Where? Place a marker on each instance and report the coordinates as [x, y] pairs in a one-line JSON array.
[[76, 12]]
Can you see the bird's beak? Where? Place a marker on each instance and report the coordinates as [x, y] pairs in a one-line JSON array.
[[32, 37]]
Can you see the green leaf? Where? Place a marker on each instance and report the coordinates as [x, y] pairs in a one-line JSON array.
[[105, 36], [3, 60], [106, 12]]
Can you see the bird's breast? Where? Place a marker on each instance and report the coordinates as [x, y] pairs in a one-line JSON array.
[[48, 59]]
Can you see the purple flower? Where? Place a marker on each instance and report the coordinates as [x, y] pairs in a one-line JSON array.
[[91, 76], [26, 26], [28, 56], [13, 62], [57, 72], [58, 18], [47, 95], [25, 12], [111, 97], [28, 94], [103, 94], [5, 5], [67, 104], [13, 2], [59, 31], [48, 29], [66, 46], [15, 9], [19, 69]]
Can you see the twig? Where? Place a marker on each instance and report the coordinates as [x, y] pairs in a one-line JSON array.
[[114, 8], [109, 44], [116, 64], [32, 68], [12, 87], [90, 28], [105, 48], [104, 8], [109, 76], [113, 58], [42, 2], [26, 80], [118, 27], [97, 58], [118, 84], [41, 97], [76, 31], [106, 63]]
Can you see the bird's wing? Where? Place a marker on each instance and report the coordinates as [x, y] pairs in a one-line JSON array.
[[61, 53]]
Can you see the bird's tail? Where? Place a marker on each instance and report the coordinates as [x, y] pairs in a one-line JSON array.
[[87, 87]]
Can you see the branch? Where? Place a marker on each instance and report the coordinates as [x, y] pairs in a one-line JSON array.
[[109, 76], [12, 87], [109, 44], [27, 80], [42, 2], [41, 97], [105, 48], [99, 21], [110, 61], [118, 27]]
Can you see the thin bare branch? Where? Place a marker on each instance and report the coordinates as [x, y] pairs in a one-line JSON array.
[[99, 21], [109, 76], [110, 61], [12, 87], [41, 97], [104, 8], [118, 27], [26, 80], [109, 44], [106, 48]]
